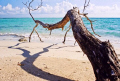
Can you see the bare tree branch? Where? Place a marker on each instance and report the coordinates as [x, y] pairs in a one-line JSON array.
[[50, 32], [31, 9], [75, 43], [85, 14], [38, 36], [32, 31], [66, 33], [91, 25], [86, 5], [57, 25]]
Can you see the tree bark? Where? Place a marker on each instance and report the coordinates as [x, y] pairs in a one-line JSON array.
[[102, 55], [57, 25]]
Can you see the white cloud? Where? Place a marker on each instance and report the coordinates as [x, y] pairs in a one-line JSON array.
[[93, 10], [47, 9], [61, 8], [103, 11], [8, 7], [23, 10], [16, 10]]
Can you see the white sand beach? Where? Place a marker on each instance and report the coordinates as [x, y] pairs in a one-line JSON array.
[[41, 61]]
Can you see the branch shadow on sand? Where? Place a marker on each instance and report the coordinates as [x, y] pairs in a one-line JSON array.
[[30, 68]]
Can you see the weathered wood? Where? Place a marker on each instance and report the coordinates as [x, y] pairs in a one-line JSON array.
[[66, 34], [36, 32], [31, 9], [38, 36], [60, 24], [50, 27], [102, 56]]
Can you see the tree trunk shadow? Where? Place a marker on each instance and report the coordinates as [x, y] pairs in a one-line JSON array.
[[30, 68]]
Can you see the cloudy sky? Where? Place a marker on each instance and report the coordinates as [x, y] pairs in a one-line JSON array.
[[58, 8]]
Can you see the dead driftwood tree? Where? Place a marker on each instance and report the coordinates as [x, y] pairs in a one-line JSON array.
[[54, 26], [28, 5], [31, 9], [102, 55]]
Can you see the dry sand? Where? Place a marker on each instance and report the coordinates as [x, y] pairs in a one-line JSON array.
[[43, 62]]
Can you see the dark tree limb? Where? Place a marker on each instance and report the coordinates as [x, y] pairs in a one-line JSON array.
[[32, 32], [85, 14], [60, 24], [38, 36], [66, 33], [57, 25], [85, 5], [91, 25], [51, 27], [102, 55]]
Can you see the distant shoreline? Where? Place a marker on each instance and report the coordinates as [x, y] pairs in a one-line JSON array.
[[57, 17]]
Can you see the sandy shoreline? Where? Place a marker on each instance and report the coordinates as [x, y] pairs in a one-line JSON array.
[[44, 62]]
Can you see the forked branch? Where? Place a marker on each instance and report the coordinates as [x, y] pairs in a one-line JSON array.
[[31, 9], [85, 5], [85, 14], [91, 25]]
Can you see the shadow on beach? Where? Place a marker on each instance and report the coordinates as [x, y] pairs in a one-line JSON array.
[[30, 68]]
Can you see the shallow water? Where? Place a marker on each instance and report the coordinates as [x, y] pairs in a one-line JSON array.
[[13, 28]]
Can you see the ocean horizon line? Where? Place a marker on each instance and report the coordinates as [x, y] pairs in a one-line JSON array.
[[52, 17]]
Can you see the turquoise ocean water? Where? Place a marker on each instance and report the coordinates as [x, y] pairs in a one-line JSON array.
[[108, 28]]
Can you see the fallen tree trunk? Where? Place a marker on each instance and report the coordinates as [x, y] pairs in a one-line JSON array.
[[102, 56]]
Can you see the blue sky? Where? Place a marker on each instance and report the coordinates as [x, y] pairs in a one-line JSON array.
[[58, 8]]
